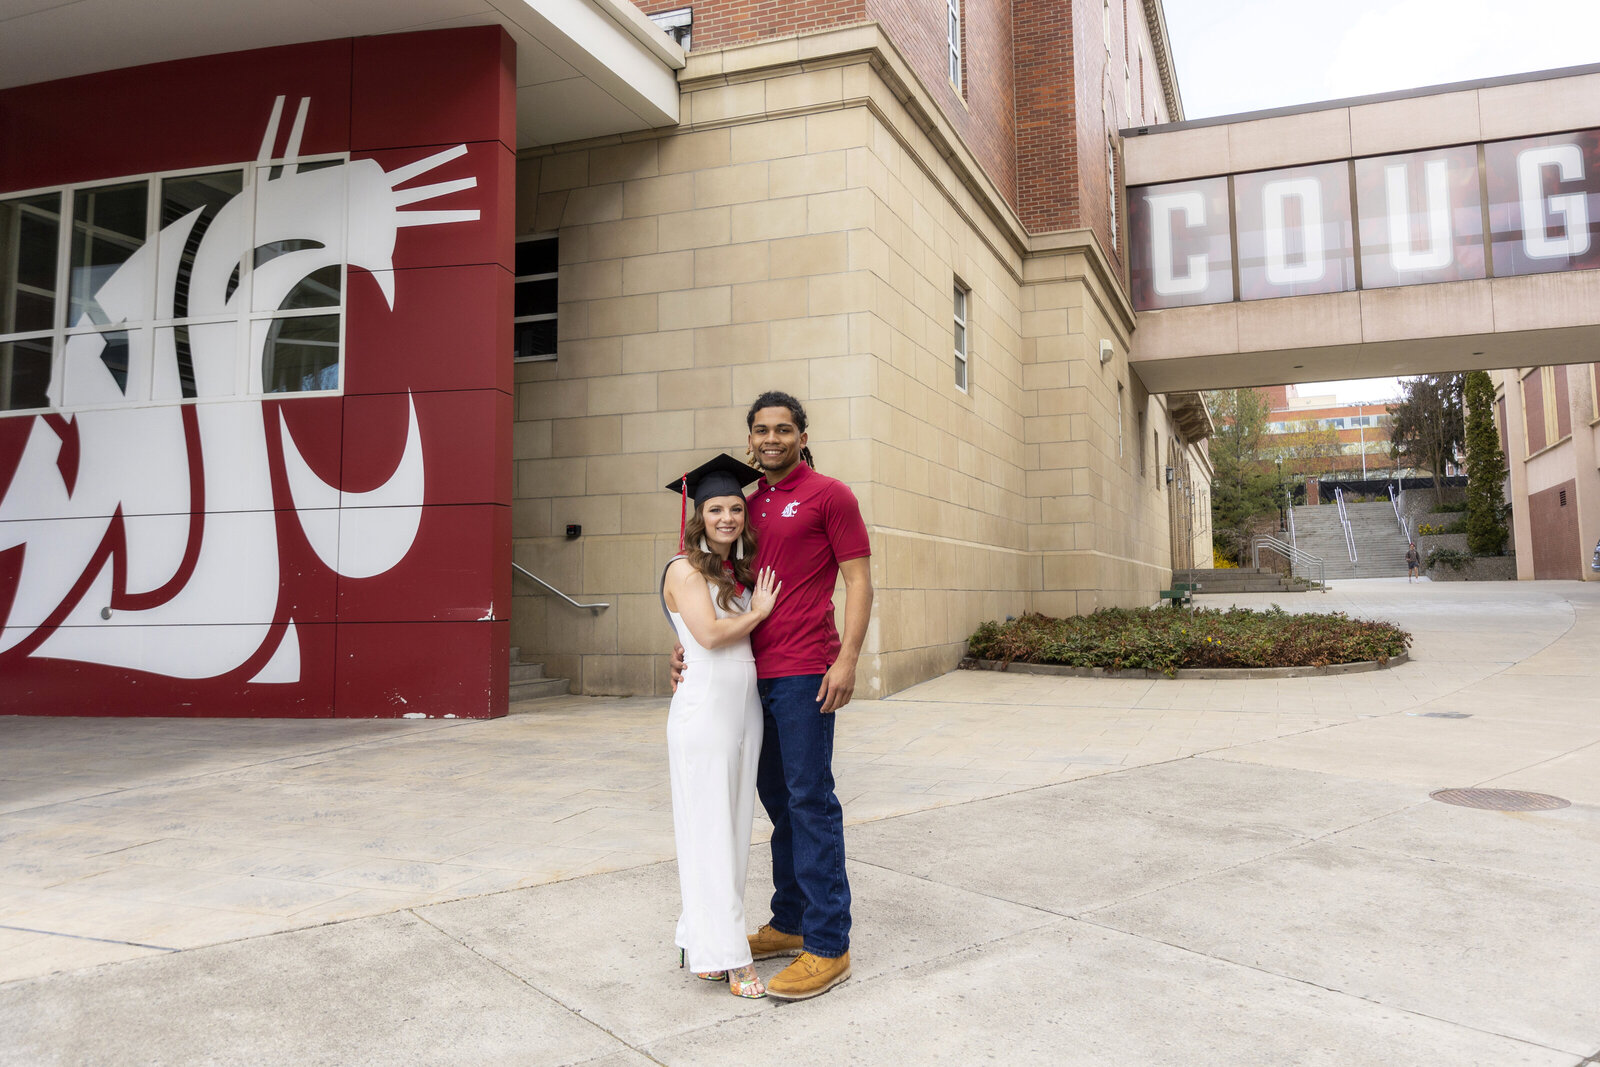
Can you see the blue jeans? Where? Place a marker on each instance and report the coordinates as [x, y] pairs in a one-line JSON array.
[[810, 894]]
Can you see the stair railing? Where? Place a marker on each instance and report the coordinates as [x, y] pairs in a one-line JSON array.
[[1344, 521], [1399, 502], [1308, 564], [1290, 510], [595, 608]]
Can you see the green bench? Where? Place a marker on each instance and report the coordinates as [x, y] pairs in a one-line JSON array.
[[1181, 594]]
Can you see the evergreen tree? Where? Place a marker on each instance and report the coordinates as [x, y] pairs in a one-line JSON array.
[[1486, 466]]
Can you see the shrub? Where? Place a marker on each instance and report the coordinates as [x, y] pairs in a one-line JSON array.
[[1448, 557], [1161, 639], [1450, 507], [1221, 562]]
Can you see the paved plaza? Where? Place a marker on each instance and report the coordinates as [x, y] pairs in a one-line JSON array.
[[1045, 870]]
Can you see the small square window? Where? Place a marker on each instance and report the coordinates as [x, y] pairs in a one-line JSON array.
[[534, 298], [676, 24]]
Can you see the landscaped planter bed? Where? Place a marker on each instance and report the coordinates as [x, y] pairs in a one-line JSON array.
[[1165, 642]]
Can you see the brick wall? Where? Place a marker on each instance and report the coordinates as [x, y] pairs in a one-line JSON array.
[[1047, 149], [1042, 96], [984, 112], [718, 23]]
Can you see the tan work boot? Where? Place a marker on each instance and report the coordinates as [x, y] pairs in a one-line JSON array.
[[809, 976], [767, 943]]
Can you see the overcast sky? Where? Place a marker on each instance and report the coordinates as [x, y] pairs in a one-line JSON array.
[[1248, 55]]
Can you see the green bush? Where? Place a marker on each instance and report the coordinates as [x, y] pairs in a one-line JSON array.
[[1450, 507], [1429, 529], [1448, 557], [1165, 640]]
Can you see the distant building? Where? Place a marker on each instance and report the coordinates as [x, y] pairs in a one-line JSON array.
[[1299, 428]]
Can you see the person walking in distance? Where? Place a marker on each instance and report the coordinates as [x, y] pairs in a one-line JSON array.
[[809, 531], [1413, 562]]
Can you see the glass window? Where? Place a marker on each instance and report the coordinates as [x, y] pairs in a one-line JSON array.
[[108, 227], [25, 374], [1421, 217], [299, 354], [1295, 232], [165, 292], [960, 300], [30, 229], [1179, 251], [534, 297], [953, 26], [1544, 203]]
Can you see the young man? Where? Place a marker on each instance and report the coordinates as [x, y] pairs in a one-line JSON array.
[[1413, 561], [809, 530]]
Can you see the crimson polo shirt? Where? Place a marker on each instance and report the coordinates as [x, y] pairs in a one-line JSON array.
[[805, 526]]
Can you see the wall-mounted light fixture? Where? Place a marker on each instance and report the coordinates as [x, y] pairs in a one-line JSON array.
[[1107, 350], [1169, 475]]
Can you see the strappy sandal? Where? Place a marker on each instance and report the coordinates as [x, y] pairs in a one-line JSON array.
[[744, 982], [705, 976]]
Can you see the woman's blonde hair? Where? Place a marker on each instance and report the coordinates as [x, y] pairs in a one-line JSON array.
[[710, 565]]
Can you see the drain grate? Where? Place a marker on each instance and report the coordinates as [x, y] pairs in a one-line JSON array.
[[1499, 799]]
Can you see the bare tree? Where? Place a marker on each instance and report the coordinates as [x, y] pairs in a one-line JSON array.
[[1428, 430]]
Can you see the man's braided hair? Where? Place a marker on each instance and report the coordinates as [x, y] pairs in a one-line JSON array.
[[774, 399]]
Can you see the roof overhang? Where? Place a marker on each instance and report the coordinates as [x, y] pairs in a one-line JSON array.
[[585, 68], [1189, 415]]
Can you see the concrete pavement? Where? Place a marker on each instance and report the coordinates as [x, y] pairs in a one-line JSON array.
[[1079, 871]]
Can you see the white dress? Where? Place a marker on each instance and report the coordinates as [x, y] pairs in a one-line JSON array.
[[713, 746]]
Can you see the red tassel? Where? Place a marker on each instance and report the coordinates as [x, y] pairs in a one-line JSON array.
[[683, 517]]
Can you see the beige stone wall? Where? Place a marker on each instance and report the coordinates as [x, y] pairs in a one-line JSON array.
[[802, 231]]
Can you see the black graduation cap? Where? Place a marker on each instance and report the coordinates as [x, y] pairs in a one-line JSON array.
[[722, 476]]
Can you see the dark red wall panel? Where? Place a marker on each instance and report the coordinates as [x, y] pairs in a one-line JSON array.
[[171, 116], [287, 554]]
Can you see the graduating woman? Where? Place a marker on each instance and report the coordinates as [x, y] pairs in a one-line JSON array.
[[714, 726]]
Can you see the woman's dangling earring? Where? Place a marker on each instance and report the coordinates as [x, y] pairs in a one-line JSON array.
[[703, 546]]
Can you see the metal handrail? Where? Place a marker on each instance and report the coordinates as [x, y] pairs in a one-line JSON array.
[[1305, 560], [1398, 500], [1344, 520], [1292, 538], [596, 608]]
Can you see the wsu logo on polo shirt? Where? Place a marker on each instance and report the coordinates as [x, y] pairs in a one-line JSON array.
[[790, 508]]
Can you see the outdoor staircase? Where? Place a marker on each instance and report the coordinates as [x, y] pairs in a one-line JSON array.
[[1239, 580], [529, 683], [1380, 550]]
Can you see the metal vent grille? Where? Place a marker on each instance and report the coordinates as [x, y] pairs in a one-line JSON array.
[[1499, 799]]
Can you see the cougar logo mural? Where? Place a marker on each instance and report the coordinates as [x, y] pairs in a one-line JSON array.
[[125, 514]]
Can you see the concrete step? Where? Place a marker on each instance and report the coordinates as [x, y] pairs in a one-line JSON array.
[[526, 672], [528, 681], [542, 687], [1240, 580]]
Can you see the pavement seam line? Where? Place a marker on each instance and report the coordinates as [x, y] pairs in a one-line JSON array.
[[497, 965], [1325, 988], [1540, 763], [85, 937], [443, 724]]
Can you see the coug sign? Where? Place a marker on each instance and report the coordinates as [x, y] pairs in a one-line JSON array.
[[1447, 214]]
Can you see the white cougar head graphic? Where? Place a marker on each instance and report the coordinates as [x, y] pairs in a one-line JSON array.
[[122, 516]]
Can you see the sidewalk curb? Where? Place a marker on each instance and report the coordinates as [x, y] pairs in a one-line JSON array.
[[1189, 674]]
